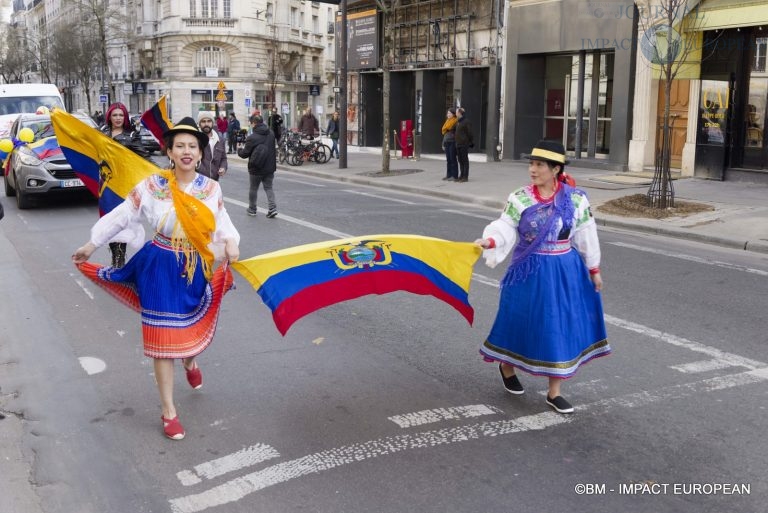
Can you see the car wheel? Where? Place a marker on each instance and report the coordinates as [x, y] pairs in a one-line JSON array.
[[9, 191], [22, 199]]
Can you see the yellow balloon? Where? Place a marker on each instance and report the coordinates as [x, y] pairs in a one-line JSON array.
[[26, 135], [6, 145]]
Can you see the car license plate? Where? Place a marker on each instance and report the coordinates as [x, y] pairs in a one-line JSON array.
[[74, 182]]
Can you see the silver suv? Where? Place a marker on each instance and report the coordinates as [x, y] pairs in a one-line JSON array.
[[38, 169]]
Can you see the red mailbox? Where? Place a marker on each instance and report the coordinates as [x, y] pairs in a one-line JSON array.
[[406, 138]]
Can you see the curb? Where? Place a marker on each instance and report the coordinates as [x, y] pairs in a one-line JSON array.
[[755, 246]]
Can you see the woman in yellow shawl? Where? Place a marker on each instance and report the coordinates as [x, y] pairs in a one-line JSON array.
[[449, 145], [171, 281]]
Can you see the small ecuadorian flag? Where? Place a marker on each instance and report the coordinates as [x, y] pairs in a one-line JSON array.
[[296, 281], [156, 119], [108, 169]]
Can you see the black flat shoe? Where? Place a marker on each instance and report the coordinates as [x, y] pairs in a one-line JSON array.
[[511, 384], [560, 404]]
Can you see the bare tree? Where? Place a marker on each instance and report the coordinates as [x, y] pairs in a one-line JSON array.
[[13, 59], [668, 39], [110, 26], [72, 47], [387, 8]]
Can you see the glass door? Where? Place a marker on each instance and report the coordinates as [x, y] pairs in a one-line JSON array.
[[755, 154]]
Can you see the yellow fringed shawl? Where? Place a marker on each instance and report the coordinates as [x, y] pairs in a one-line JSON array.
[[194, 225], [449, 124]]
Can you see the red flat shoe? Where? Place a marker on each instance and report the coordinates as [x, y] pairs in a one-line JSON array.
[[173, 428], [194, 377]]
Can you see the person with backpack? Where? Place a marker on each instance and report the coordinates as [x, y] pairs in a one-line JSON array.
[[259, 149]]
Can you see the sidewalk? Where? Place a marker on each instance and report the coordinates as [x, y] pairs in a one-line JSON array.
[[740, 218]]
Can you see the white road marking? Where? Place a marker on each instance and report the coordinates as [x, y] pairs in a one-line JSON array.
[[239, 488], [292, 180], [485, 280], [92, 365], [236, 489], [81, 284], [377, 196], [470, 214], [594, 387], [241, 459], [715, 353], [701, 366], [301, 222], [420, 418], [691, 258]]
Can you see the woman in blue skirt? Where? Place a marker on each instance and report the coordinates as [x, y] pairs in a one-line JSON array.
[[550, 318]]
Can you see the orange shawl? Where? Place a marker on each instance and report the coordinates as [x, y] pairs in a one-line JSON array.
[[449, 124], [197, 224]]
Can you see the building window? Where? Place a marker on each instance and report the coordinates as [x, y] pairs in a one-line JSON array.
[[193, 8], [294, 17], [211, 61], [315, 24], [270, 12], [214, 8], [204, 8], [227, 8], [761, 46]]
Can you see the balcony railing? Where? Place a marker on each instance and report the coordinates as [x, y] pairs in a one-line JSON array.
[[210, 22]]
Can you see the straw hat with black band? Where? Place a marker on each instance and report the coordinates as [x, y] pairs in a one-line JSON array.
[[548, 151], [186, 126]]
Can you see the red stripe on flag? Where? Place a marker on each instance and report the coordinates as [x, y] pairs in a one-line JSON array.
[[319, 296]]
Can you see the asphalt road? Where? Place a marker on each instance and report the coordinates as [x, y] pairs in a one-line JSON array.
[[383, 404]]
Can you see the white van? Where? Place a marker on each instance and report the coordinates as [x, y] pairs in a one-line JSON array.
[[25, 98]]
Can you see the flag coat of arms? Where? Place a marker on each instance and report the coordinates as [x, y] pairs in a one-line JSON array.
[[296, 281], [107, 168]]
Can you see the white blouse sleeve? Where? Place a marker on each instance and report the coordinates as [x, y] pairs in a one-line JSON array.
[[503, 231], [123, 223], [225, 229], [584, 233]]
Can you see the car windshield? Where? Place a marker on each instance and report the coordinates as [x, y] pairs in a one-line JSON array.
[[41, 125], [22, 104]]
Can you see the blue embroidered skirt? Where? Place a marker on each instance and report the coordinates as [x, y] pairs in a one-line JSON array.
[[551, 322], [178, 318]]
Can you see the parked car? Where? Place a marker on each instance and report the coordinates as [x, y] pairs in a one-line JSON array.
[[148, 140], [39, 168]]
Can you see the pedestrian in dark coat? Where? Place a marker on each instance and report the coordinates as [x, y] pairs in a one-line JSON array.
[[449, 146], [214, 161], [464, 141], [233, 127], [259, 149]]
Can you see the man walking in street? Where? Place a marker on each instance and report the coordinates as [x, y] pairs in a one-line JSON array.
[[233, 128], [275, 123], [259, 149], [214, 161]]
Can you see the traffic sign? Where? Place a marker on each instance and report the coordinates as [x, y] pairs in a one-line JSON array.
[[248, 103], [103, 98]]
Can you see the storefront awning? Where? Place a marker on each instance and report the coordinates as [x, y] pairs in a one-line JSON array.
[[725, 14]]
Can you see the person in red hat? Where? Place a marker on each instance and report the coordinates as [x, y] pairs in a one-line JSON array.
[[550, 316], [173, 280]]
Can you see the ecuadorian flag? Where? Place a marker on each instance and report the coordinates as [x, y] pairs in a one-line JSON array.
[[108, 169], [296, 281], [45, 148], [156, 119]]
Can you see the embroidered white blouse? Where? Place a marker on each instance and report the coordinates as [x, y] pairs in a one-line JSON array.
[[583, 235], [151, 201]]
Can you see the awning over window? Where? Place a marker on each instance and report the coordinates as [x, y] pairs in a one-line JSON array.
[[725, 14]]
